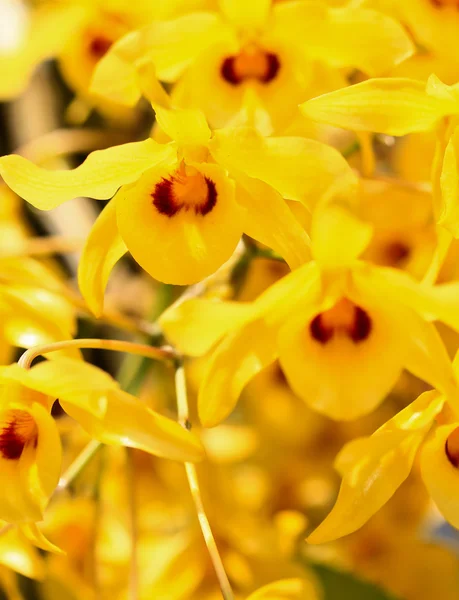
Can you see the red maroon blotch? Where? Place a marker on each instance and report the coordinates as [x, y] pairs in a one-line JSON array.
[[318, 330], [167, 204], [11, 444], [229, 73], [361, 327], [99, 46], [453, 457]]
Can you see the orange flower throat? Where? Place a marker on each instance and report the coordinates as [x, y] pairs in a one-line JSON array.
[[345, 318], [251, 63]]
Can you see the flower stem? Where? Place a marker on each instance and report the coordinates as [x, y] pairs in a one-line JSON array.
[[78, 465], [164, 353], [183, 418]]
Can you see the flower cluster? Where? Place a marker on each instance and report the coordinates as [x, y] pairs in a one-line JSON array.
[[295, 165]]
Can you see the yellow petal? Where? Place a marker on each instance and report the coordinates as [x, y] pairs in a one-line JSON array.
[[170, 45], [236, 360], [393, 106], [186, 127], [338, 237], [449, 215], [298, 168], [100, 175], [270, 220], [129, 422], [374, 467], [287, 589], [187, 240], [439, 469], [103, 249], [194, 326]]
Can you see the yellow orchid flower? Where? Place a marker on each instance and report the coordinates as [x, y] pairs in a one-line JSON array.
[[108, 414], [372, 468], [33, 304], [77, 33], [259, 54], [342, 329], [178, 212], [30, 453]]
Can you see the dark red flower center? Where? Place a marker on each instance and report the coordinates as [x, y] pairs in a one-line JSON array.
[[18, 429], [251, 63], [396, 253], [98, 46], [345, 319], [452, 447], [187, 189]]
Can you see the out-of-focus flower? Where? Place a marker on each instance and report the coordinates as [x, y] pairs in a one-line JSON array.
[[33, 304], [30, 453], [329, 322], [433, 26], [96, 401], [257, 56], [77, 33]]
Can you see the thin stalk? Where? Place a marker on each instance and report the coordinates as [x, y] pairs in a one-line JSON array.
[[79, 464], [183, 418], [164, 353]]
